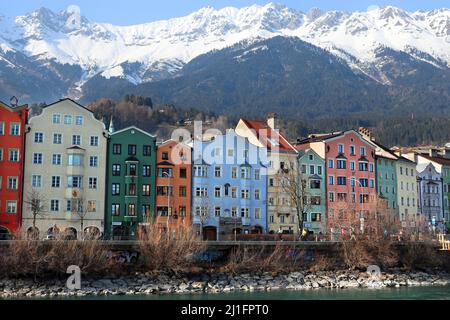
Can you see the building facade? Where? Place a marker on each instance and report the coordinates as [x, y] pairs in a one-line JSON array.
[[13, 122], [65, 170], [407, 195], [429, 184], [229, 187], [173, 185], [282, 165], [312, 178], [130, 195], [387, 180]]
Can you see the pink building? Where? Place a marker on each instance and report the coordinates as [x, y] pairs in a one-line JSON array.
[[350, 172]]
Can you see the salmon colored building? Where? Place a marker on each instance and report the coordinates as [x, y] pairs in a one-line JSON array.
[[13, 122], [173, 185], [350, 173]]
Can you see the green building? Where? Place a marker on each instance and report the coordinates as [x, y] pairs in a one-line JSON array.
[[130, 176], [387, 179], [313, 189]]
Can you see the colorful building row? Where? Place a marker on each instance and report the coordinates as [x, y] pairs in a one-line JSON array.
[[65, 171]]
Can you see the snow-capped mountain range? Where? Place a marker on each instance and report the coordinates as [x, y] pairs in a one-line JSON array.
[[158, 50]]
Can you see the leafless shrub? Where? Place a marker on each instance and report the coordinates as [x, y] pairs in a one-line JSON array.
[[160, 251]]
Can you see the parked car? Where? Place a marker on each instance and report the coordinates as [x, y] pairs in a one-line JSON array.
[[49, 237]]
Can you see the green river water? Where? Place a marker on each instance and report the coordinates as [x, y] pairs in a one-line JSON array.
[[403, 293]]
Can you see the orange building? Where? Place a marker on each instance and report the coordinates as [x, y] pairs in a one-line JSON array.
[[173, 185], [13, 122]]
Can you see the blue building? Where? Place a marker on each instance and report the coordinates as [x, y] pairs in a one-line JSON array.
[[229, 187]]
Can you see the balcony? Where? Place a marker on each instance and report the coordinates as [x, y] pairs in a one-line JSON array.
[[74, 193]]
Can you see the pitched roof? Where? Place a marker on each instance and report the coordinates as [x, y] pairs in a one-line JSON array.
[[268, 137], [11, 108], [439, 160]]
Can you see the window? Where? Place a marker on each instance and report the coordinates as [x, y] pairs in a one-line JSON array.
[[371, 167], [132, 169], [271, 219], [319, 170], [131, 149], [316, 217], [147, 150], [11, 207], [331, 180], [56, 159], [352, 150], [341, 196], [12, 183], [244, 194], [13, 155], [244, 213], [314, 184], [79, 120], [57, 138], [352, 165], [2, 128], [201, 192], [1, 154], [54, 205], [363, 166], [67, 119], [340, 148], [116, 170], [363, 198], [257, 194], [217, 172], [115, 189], [38, 137], [182, 191], [234, 192], [341, 181], [56, 181], [234, 212], [257, 213], [245, 173], [145, 210], [56, 118], [363, 182], [233, 173], [372, 183], [362, 151], [131, 210], [303, 169], [315, 200], [92, 183], [36, 181], [341, 164], [217, 211], [146, 171], [131, 189], [217, 192], [311, 169], [14, 129], [145, 189], [230, 152], [94, 141], [271, 182], [76, 140], [115, 209], [164, 190], [117, 148], [92, 206], [311, 157], [74, 181], [37, 158], [183, 173], [93, 161], [330, 163], [164, 172], [165, 156], [75, 160], [200, 171], [331, 196]]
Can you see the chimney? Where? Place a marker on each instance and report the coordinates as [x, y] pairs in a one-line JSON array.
[[272, 120], [432, 152], [366, 133]]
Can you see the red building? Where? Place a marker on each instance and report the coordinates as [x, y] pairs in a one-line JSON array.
[[350, 171], [13, 121]]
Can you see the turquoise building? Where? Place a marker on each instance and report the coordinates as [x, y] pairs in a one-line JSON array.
[[229, 187], [387, 180], [313, 189]]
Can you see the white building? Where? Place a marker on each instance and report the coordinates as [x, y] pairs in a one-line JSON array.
[[65, 169], [429, 184]]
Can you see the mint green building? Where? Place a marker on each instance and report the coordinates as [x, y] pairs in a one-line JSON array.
[[387, 180], [312, 177], [130, 174]]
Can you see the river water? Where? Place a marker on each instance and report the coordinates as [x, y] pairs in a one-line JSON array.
[[403, 293]]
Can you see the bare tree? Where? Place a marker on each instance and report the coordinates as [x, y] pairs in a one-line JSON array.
[[81, 208], [36, 203], [205, 213]]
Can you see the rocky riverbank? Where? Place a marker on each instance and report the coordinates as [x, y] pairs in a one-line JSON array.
[[142, 284]]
